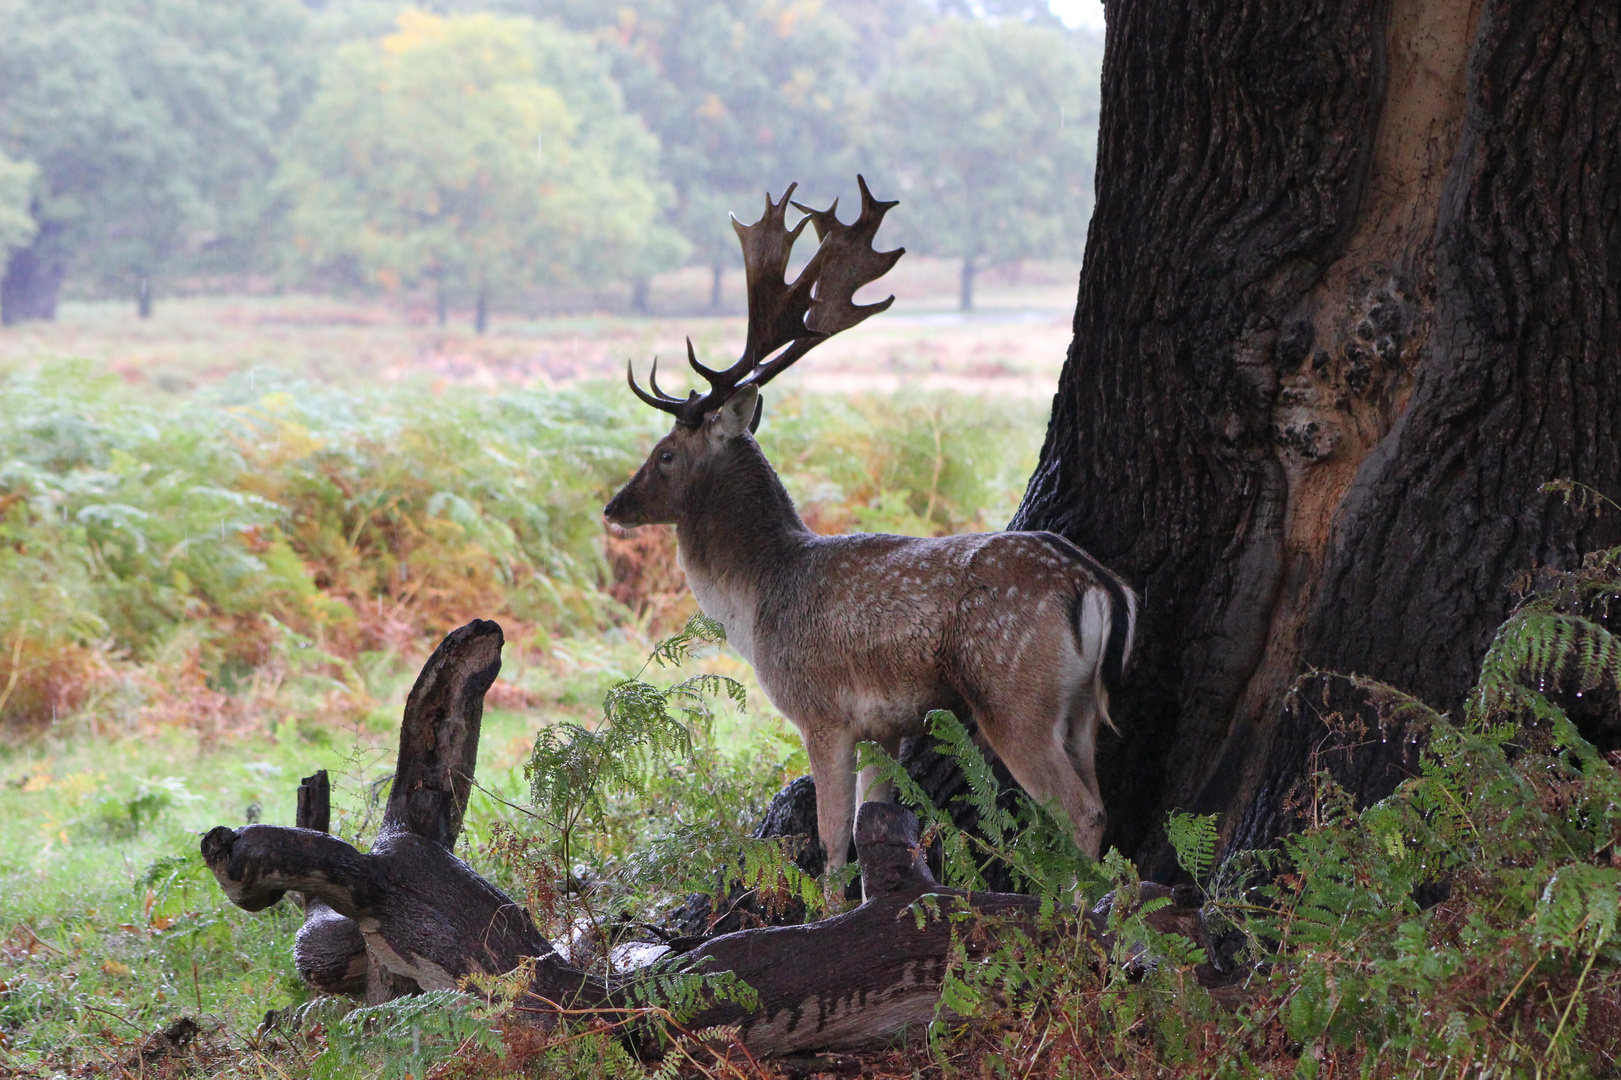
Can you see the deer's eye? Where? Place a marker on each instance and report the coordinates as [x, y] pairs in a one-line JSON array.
[[665, 457]]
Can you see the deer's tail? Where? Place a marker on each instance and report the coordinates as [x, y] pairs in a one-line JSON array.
[[1105, 625], [1104, 616]]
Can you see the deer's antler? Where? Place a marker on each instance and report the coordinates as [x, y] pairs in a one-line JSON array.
[[800, 315]]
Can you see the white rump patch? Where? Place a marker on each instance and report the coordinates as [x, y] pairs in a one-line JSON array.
[[1094, 631]]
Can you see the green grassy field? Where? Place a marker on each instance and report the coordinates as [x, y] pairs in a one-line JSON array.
[[223, 559]]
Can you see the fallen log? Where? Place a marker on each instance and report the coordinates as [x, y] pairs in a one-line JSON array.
[[329, 951], [860, 978], [421, 919]]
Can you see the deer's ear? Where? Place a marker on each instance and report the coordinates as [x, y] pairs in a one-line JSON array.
[[738, 414]]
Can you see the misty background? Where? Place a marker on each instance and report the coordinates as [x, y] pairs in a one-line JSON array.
[[522, 156]]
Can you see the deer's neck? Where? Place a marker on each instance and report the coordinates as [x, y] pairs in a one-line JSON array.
[[739, 531]]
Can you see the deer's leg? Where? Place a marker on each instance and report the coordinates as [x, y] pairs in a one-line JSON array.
[[1082, 746], [1032, 733], [833, 764], [869, 788]]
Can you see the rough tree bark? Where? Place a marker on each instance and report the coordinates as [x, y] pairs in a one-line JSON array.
[[410, 916], [1352, 294]]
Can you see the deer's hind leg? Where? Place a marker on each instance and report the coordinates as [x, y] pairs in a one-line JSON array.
[[832, 752], [1079, 727], [1030, 728]]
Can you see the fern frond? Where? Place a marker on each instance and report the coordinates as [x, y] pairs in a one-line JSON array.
[[1193, 836], [1545, 650]]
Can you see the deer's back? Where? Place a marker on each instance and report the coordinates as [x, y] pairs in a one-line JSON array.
[[879, 629]]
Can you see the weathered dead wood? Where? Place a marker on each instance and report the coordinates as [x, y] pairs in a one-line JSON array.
[[859, 978], [425, 920], [439, 735], [330, 950], [364, 928], [424, 913]]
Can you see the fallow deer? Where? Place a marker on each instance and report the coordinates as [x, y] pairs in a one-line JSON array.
[[858, 637]]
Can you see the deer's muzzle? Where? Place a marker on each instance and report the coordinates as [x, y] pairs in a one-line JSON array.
[[623, 510]]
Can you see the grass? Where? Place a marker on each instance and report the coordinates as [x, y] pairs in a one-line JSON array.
[[1013, 346], [217, 579]]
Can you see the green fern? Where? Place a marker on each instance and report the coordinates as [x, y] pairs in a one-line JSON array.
[[1193, 836], [1538, 649], [677, 985], [572, 769], [405, 1037], [1577, 908]]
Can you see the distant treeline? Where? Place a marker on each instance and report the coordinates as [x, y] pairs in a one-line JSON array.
[[475, 153]]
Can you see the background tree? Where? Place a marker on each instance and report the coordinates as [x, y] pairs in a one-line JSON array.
[[744, 95], [152, 125], [476, 154], [17, 225], [988, 130], [1348, 304]]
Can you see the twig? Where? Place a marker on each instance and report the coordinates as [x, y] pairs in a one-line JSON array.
[[1571, 1004], [1510, 995], [41, 942], [115, 1016], [16, 669], [504, 802]]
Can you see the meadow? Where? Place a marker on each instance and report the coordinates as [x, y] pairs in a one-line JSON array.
[[230, 536], [224, 553]]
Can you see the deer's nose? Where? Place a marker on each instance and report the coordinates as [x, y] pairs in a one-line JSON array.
[[620, 509]]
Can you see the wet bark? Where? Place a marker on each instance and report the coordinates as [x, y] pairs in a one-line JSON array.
[[367, 928], [1349, 299]]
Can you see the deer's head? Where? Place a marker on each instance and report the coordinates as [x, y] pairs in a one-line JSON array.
[[786, 321]]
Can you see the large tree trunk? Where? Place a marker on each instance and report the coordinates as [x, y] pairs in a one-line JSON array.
[[1349, 300]]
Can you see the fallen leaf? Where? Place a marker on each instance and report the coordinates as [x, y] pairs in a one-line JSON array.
[[114, 968]]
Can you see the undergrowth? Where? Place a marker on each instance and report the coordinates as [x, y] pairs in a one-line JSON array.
[[258, 565], [235, 559], [1325, 957]]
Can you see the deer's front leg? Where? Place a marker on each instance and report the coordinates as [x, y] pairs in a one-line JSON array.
[[869, 788], [832, 753]]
